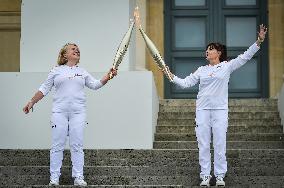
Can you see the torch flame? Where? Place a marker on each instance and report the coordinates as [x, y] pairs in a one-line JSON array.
[[137, 16]]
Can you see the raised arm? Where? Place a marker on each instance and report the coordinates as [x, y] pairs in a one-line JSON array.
[[249, 53]]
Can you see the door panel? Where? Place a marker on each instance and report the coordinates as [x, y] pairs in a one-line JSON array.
[[240, 31], [191, 25], [189, 32]]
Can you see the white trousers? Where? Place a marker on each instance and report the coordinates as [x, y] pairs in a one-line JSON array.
[[63, 125], [208, 122]]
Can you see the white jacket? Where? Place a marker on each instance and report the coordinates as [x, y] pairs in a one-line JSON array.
[[69, 85], [214, 80]]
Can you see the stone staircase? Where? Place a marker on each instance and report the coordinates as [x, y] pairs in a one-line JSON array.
[[255, 153]]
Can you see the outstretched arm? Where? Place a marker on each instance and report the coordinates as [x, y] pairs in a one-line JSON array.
[[112, 72], [37, 97], [248, 54], [43, 91], [94, 84], [187, 82]]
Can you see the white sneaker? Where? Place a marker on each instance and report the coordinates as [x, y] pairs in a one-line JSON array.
[[53, 183], [205, 181], [220, 182], [80, 181]]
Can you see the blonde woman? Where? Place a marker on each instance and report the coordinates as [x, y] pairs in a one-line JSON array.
[[69, 110]]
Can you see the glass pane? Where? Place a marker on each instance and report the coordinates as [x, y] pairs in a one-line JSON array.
[[245, 77], [240, 31], [183, 67], [189, 32], [240, 2], [190, 2]]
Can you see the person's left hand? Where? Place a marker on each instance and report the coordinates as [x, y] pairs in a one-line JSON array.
[[112, 73], [262, 32]]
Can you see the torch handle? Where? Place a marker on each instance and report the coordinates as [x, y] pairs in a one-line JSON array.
[[111, 74]]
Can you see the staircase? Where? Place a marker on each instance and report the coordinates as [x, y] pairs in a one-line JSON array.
[[255, 153], [255, 140]]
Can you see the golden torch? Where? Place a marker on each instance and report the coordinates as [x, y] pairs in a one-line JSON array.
[[152, 48], [121, 51]]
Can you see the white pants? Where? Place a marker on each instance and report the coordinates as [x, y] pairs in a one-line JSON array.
[[64, 124], [215, 121]]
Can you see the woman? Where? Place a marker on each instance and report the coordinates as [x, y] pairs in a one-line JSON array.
[[69, 110], [212, 104]]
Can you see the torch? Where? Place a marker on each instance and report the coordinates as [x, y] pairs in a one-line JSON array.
[[152, 48], [123, 46]]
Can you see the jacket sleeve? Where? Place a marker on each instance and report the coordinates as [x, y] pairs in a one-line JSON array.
[[47, 85], [189, 81], [236, 63], [91, 82]]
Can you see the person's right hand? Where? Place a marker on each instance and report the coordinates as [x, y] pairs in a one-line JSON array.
[[27, 108]]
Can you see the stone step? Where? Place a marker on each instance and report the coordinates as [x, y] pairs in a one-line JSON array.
[[251, 181], [271, 184], [173, 181], [231, 129], [7, 154], [231, 109], [94, 179], [232, 115], [155, 157], [130, 186], [153, 186], [230, 137], [232, 122], [150, 162], [230, 145], [167, 175], [232, 102], [102, 186]]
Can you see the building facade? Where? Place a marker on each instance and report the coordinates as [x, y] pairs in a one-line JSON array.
[[181, 29]]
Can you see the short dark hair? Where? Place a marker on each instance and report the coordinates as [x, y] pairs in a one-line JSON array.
[[219, 47]]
